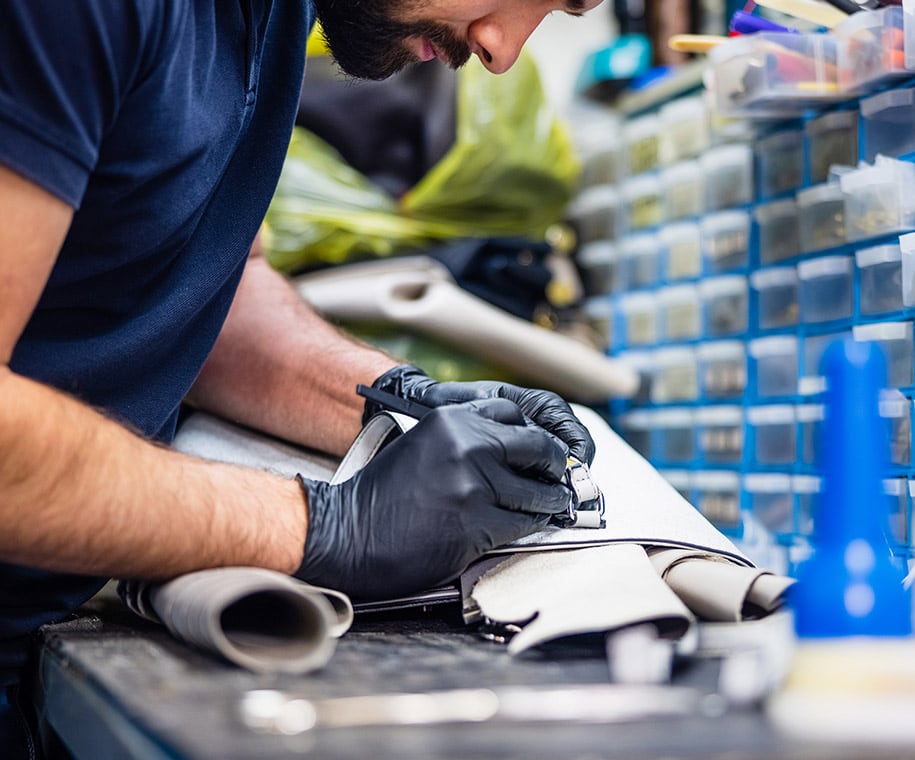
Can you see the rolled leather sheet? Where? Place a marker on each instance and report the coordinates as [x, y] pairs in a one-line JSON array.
[[258, 619]]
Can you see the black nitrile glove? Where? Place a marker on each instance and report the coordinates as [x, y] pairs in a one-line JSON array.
[[465, 480], [544, 408]]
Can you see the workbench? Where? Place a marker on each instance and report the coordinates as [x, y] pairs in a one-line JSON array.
[[114, 686]]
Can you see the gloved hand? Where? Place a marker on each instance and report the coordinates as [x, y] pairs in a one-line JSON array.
[[544, 408], [464, 480]]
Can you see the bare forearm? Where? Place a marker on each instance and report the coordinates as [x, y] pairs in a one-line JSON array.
[[80, 493], [279, 367]]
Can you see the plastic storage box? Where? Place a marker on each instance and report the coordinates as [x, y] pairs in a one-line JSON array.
[[826, 288], [725, 241], [871, 49], [809, 417], [879, 199], [724, 305], [684, 128], [683, 187], [769, 497], [643, 201], [722, 369], [887, 120], [716, 494], [597, 265], [642, 362], [720, 434], [821, 210], [811, 381], [774, 365], [636, 428], [681, 312], [895, 338], [907, 250], [673, 435], [832, 140], [639, 261], [728, 172], [642, 140], [599, 314], [896, 492], [772, 432], [595, 213], [896, 409], [777, 296], [776, 74], [682, 248], [807, 490], [640, 316], [675, 375], [779, 163], [879, 279], [778, 229]]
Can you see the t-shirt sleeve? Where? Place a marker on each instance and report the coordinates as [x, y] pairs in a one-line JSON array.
[[64, 69]]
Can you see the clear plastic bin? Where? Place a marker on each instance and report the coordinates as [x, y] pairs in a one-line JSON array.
[[780, 162], [809, 418], [640, 316], [636, 428], [720, 432], [643, 201], [896, 491], [725, 241], [675, 375], [807, 490], [778, 226], [681, 312], [879, 279], [769, 497], [887, 120], [826, 288], [684, 190], [774, 365], [639, 261], [599, 314], [597, 135], [832, 139], [597, 265], [728, 172], [896, 409], [682, 246], [907, 250], [812, 382], [879, 199], [642, 140], [594, 213], [684, 128], [716, 494], [871, 49], [724, 305], [773, 432], [722, 369], [681, 480], [777, 74], [895, 338], [821, 210], [673, 435], [777, 299], [642, 361]]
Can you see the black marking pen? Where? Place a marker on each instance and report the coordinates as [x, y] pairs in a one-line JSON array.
[[392, 403]]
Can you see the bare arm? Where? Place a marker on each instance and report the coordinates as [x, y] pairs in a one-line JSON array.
[[278, 367], [80, 493]]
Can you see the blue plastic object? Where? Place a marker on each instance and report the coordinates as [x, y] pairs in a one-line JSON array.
[[746, 23], [851, 586]]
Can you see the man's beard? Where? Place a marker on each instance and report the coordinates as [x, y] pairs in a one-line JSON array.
[[368, 44]]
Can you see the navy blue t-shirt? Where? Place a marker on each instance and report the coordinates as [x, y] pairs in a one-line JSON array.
[[164, 123]]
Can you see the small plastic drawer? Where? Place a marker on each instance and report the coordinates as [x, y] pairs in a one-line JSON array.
[[826, 288], [673, 435], [643, 201], [639, 261], [642, 362], [642, 140], [640, 317], [720, 434], [777, 74], [599, 314], [724, 305], [871, 49], [879, 199], [822, 217], [636, 428], [907, 249], [896, 409], [681, 480], [896, 492], [675, 375], [684, 128], [887, 120], [779, 162], [879, 279], [597, 135], [769, 497], [682, 246], [725, 241], [722, 369], [683, 187], [895, 338], [832, 140], [716, 494], [777, 296], [772, 431], [594, 213], [774, 365], [812, 382], [728, 171], [809, 419], [778, 227], [600, 164], [681, 312], [807, 489], [597, 265]]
